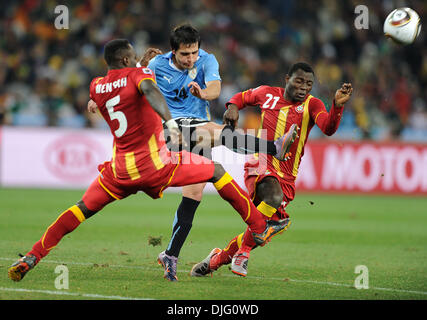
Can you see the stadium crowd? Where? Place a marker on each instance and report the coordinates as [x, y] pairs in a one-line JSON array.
[[45, 72]]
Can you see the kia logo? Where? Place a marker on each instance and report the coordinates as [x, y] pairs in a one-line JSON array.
[[74, 158]]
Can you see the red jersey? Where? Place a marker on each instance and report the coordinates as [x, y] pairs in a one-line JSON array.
[[277, 116], [136, 127]]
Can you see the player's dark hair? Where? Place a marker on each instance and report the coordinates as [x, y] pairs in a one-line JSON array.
[[300, 66], [115, 50], [184, 34]]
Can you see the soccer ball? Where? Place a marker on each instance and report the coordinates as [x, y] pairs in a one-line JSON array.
[[402, 25]]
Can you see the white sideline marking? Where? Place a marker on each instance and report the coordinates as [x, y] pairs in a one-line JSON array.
[[66, 293], [233, 276], [344, 285]]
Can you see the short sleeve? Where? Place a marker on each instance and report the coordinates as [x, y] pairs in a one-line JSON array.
[[93, 85], [152, 64], [141, 74], [249, 97], [211, 69]]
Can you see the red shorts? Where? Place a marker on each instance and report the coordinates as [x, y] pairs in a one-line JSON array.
[[288, 189], [184, 169]]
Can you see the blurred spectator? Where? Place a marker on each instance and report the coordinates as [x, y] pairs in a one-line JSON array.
[[45, 73]]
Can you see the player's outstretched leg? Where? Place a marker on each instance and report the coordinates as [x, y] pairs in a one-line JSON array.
[[218, 258], [230, 191], [235, 253], [239, 263], [67, 221], [64, 224], [247, 144], [270, 193]]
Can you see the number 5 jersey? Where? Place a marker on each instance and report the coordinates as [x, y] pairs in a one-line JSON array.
[[137, 129]]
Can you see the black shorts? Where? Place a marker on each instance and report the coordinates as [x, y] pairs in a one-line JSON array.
[[188, 126]]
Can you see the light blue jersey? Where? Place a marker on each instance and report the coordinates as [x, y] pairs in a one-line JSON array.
[[173, 83]]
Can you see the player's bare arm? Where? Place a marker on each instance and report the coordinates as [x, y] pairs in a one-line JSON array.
[[156, 99], [211, 92], [158, 103], [149, 54], [231, 115], [343, 94]]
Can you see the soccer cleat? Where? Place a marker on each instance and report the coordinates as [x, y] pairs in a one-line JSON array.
[[170, 265], [272, 228], [239, 264], [203, 268], [284, 143], [19, 269]]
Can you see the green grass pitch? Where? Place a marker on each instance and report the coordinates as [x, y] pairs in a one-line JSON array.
[[109, 255]]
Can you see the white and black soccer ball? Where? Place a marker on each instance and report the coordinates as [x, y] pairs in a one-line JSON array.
[[403, 25]]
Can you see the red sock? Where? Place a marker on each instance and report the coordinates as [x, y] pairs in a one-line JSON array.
[[65, 223], [226, 254], [230, 191], [247, 242]]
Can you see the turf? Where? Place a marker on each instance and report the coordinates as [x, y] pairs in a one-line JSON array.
[[110, 256]]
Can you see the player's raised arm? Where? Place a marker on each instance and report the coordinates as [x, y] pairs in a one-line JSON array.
[[329, 122], [343, 94], [211, 79], [211, 92], [149, 54]]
